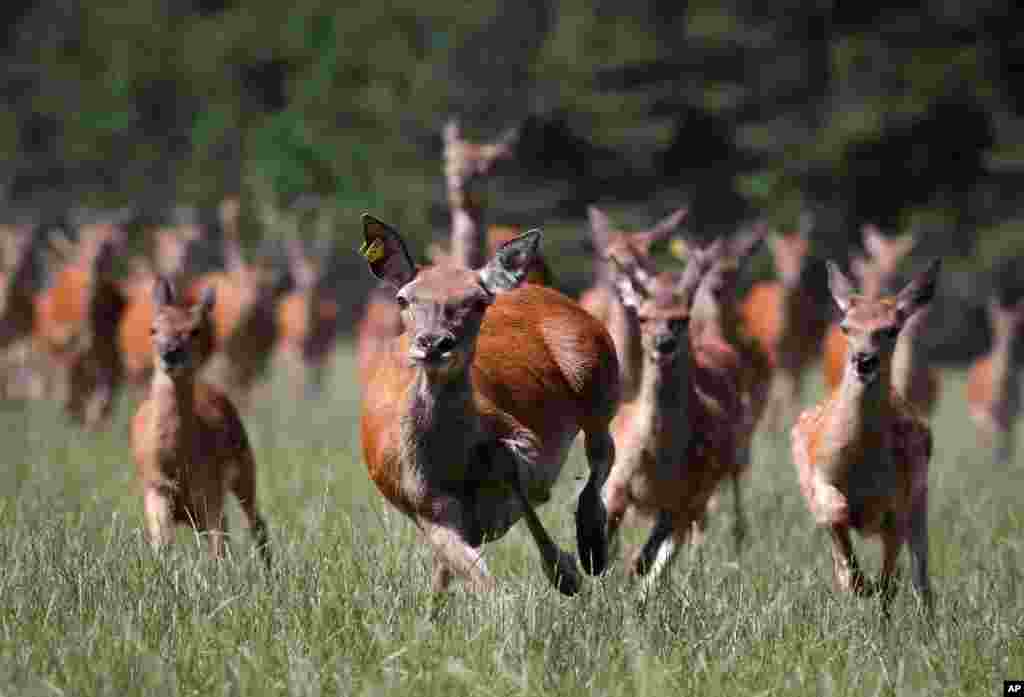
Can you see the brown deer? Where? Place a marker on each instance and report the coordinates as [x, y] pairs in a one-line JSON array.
[[307, 319], [245, 317], [472, 410], [76, 323], [717, 319], [875, 274], [676, 441], [862, 454], [602, 301], [783, 317], [993, 381], [189, 443]]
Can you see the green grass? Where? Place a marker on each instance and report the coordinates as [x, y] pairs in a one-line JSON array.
[[87, 609]]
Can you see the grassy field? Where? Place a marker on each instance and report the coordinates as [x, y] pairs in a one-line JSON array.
[[87, 609]]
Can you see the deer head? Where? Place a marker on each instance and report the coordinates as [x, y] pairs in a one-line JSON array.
[[442, 307], [872, 325], [182, 335]]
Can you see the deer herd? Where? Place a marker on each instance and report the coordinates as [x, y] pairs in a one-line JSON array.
[[477, 377]]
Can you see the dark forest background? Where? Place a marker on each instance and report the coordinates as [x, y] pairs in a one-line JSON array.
[[907, 115]]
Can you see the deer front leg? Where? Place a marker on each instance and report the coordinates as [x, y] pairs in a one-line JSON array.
[[591, 514], [157, 508], [739, 525], [659, 551], [918, 535], [559, 565], [846, 572], [452, 551], [888, 578]]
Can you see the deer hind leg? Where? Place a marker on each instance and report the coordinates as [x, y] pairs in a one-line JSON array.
[[846, 573], [158, 511], [918, 538], [739, 524], [659, 551], [591, 514], [243, 486]]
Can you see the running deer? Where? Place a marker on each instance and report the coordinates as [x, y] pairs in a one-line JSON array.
[[174, 251], [875, 273], [307, 320], [716, 317], [784, 318], [76, 321], [862, 455], [676, 441], [993, 381], [245, 317], [602, 301], [189, 443], [474, 407]]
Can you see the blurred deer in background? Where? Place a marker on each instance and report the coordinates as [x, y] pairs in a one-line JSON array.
[[993, 381], [676, 441], [717, 320], [245, 316], [76, 323], [632, 249], [189, 443], [783, 317], [22, 372], [307, 317], [474, 408], [862, 455]]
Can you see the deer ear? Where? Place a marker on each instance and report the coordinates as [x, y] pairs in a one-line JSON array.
[[697, 266], [840, 286], [745, 245], [662, 230], [163, 292], [600, 228], [386, 253], [510, 264], [919, 291]]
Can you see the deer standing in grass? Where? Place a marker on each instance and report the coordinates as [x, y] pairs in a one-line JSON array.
[[993, 381], [307, 320], [784, 318], [603, 302], [862, 455], [188, 440], [76, 322], [676, 441], [470, 413]]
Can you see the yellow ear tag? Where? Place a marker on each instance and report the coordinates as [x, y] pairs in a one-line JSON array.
[[678, 248], [373, 251]]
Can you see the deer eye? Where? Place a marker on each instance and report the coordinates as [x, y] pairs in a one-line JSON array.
[[844, 329], [402, 301], [194, 332]]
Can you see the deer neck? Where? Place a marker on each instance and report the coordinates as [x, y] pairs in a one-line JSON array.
[[173, 411], [469, 227], [909, 356], [861, 409], [624, 328], [663, 405], [440, 426]]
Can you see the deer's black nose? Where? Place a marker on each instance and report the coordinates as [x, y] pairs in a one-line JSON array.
[[665, 343], [866, 363], [435, 345]]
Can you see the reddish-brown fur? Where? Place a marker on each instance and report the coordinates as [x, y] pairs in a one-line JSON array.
[[862, 455], [189, 443], [466, 446], [993, 381], [784, 319], [676, 442]]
